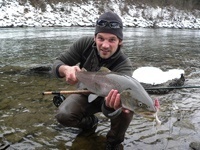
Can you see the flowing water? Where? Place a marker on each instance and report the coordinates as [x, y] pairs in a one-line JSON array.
[[27, 117]]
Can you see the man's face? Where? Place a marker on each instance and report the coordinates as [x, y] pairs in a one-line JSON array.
[[107, 44]]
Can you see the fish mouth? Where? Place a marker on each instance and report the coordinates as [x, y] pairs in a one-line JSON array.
[[152, 116], [147, 113]]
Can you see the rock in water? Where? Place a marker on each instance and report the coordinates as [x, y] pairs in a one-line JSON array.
[[195, 145]]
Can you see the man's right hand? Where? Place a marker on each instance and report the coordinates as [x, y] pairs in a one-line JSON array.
[[69, 72], [113, 100]]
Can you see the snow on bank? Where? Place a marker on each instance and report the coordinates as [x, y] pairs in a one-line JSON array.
[[154, 76], [12, 14]]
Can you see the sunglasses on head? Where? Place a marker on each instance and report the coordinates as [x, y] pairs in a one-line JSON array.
[[111, 24]]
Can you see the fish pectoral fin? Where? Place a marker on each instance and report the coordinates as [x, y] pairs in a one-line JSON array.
[[115, 113], [92, 97]]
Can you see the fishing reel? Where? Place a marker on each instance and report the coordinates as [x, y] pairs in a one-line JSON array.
[[58, 99]]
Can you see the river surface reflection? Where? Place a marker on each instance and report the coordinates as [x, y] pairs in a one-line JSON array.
[[27, 117]]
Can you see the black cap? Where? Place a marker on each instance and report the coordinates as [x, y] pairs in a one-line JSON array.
[[110, 17]]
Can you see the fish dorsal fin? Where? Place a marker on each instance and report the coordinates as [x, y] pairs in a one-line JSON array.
[[104, 69], [83, 69], [92, 97]]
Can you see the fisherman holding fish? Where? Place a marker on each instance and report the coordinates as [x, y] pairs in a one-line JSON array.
[[104, 49]]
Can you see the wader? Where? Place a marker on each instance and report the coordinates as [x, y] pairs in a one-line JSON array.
[[77, 112]]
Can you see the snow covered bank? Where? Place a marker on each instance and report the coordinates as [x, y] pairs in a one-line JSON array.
[[154, 76], [12, 14]]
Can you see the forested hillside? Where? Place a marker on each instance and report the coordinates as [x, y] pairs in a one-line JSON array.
[[134, 13], [179, 4]]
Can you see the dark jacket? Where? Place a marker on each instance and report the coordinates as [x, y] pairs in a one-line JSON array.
[[84, 53]]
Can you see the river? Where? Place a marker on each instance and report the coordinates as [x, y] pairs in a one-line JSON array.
[[27, 117]]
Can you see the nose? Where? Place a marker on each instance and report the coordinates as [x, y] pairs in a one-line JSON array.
[[105, 44]]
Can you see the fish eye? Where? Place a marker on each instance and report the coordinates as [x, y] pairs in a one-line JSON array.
[[140, 104]]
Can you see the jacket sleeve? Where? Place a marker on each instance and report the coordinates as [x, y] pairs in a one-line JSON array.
[[123, 65], [106, 111]]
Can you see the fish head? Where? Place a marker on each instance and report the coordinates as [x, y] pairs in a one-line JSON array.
[[146, 108], [146, 111]]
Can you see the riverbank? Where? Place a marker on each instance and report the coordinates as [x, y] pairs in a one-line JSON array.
[[14, 14]]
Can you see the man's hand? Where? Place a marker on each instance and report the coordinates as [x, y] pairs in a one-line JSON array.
[[69, 72], [113, 100]]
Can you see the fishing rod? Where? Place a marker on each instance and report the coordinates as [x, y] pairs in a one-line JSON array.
[[67, 92], [59, 98], [171, 87], [89, 92]]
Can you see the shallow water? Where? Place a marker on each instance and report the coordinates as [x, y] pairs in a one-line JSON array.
[[27, 117]]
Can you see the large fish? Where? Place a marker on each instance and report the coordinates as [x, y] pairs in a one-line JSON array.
[[133, 95]]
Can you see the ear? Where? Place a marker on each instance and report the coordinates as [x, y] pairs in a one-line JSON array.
[[95, 38], [120, 42]]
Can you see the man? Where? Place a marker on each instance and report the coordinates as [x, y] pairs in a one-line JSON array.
[[91, 53]]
